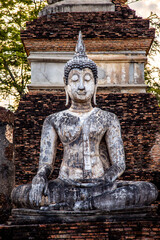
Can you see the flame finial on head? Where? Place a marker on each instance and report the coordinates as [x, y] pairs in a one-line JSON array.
[[80, 47], [80, 61]]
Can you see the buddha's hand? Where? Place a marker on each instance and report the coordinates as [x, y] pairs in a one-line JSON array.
[[38, 189]]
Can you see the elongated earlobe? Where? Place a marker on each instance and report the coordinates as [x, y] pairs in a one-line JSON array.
[[67, 97], [94, 95]]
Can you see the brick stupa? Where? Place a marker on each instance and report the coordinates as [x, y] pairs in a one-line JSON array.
[[115, 38]]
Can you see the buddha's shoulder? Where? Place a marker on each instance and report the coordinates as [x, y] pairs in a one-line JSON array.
[[106, 115], [58, 117]]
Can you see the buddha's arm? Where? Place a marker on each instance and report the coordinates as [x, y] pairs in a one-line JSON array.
[[48, 148], [46, 163], [116, 151]]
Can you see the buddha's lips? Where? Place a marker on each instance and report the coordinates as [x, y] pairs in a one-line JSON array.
[[81, 93]]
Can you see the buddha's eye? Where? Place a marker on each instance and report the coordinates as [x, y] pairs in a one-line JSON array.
[[87, 77], [75, 77]]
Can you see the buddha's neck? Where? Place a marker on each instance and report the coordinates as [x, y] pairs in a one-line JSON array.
[[81, 107]]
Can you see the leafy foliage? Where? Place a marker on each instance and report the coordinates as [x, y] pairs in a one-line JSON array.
[[14, 68], [152, 71], [152, 68]]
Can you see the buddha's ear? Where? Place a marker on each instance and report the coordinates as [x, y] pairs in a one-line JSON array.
[[94, 95], [67, 95]]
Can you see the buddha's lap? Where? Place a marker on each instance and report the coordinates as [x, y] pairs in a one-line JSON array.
[[122, 191]]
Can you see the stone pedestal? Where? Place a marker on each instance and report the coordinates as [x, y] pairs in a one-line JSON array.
[[29, 216], [111, 229]]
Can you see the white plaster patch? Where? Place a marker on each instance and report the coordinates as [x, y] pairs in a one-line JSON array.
[[155, 151], [9, 133]]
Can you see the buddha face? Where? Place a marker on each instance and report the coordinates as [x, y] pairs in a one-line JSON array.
[[81, 85]]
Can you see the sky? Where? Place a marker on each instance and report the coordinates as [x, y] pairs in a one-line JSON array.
[[144, 7]]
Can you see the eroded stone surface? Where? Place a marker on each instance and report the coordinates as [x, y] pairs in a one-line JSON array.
[[116, 69]]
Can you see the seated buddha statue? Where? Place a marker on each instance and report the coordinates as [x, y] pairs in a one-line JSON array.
[[93, 158]]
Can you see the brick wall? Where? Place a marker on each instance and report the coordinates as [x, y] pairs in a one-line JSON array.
[[119, 1], [95, 45], [119, 230], [121, 30], [122, 23]]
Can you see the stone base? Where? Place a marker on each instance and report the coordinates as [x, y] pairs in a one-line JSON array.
[[29, 216]]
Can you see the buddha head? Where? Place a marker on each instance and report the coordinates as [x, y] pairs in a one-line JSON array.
[[80, 76]]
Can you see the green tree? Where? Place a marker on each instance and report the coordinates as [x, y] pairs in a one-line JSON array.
[[152, 70], [14, 68]]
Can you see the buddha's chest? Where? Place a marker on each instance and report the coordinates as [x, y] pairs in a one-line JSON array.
[[71, 129]]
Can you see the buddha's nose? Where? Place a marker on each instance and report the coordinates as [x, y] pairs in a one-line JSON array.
[[81, 84]]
